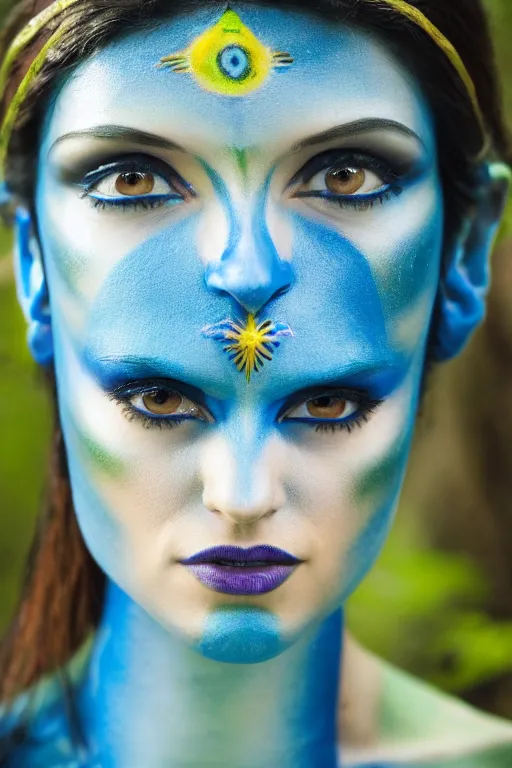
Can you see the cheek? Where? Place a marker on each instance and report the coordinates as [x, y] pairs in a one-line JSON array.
[[83, 245], [377, 490], [405, 262], [401, 244], [377, 481], [348, 486], [128, 483]]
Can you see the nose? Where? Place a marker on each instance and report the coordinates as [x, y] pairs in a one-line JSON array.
[[238, 489], [250, 269]]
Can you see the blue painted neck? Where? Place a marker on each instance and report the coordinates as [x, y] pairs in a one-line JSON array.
[[148, 699]]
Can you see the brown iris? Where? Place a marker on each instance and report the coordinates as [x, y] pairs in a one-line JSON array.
[[326, 407], [162, 402], [345, 181], [135, 183]]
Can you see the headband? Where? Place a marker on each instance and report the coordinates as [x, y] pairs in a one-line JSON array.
[[46, 17]]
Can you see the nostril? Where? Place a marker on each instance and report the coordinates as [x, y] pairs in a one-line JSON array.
[[239, 515]]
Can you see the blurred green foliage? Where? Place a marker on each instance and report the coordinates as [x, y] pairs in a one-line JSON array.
[[416, 595], [413, 595]]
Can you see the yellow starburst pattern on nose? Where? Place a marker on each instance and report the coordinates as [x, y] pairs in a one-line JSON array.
[[228, 58], [249, 345]]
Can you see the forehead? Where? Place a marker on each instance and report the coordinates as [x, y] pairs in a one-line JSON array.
[[339, 74]]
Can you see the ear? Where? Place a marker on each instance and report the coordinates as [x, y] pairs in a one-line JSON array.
[[32, 287], [465, 277]]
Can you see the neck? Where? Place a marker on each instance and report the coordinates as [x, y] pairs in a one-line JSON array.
[[148, 699]]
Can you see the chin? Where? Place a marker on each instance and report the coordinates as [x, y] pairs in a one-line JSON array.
[[232, 629]]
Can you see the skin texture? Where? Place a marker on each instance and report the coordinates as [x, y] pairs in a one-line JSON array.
[[179, 672], [148, 497]]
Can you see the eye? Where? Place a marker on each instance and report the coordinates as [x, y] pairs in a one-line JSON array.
[[163, 403], [133, 184], [135, 181], [333, 410], [324, 408], [345, 180]]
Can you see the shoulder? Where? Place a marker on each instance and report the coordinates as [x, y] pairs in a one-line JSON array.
[[500, 757], [438, 731], [412, 724], [36, 728], [495, 757]]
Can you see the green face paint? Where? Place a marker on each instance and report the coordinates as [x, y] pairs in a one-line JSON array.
[[96, 455]]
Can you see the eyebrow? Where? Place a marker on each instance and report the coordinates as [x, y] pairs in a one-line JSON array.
[[357, 128], [133, 135], [120, 133]]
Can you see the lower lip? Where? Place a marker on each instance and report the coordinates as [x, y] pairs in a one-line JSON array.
[[241, 580]]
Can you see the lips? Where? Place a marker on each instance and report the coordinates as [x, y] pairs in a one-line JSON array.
[[239, 571]]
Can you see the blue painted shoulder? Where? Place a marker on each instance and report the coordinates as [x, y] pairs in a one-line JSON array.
[[38, 729], [34, 731]]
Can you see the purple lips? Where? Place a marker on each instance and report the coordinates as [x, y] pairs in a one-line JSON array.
[[238, 571]]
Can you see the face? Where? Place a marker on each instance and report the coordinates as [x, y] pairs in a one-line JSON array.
[[241, 222]]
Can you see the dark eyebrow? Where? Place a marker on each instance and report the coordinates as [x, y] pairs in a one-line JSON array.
[[120, 133], [357, 128]]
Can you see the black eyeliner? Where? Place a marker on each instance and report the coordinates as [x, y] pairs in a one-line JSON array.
[[137, 386], [343, 158], [91, 170], [345, 393]]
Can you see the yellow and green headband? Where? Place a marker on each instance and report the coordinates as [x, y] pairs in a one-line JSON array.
[[29, 33]]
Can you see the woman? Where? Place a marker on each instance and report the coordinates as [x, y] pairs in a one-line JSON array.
[[242, 235]]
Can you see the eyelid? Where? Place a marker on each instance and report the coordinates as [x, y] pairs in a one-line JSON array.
[[354, 395], [333, 157], [295, 413], [132, 388], [187, 408], [134, 163]]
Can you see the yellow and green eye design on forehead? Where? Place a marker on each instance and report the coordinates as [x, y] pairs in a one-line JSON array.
[[228, 58]]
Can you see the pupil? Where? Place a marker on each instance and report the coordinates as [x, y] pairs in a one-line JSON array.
[[132, 179], [235, 61], [160, 396], [344, 174], [322, 402]]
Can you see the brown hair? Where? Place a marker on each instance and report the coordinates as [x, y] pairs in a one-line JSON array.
[[62, 598]]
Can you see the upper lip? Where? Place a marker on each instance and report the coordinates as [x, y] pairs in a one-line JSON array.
[[227, 555]]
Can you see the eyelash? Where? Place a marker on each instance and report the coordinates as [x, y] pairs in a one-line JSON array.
[[367, 202], [366, 408], [147, 422], [361, 203], [362, 417], [132, 204], [134, 164]]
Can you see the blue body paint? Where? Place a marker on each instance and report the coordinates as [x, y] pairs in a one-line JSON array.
[[180, 674], [250, 269], [241, 635]]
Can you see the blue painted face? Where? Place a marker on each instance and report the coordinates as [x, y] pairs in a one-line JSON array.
[[242, 247]]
